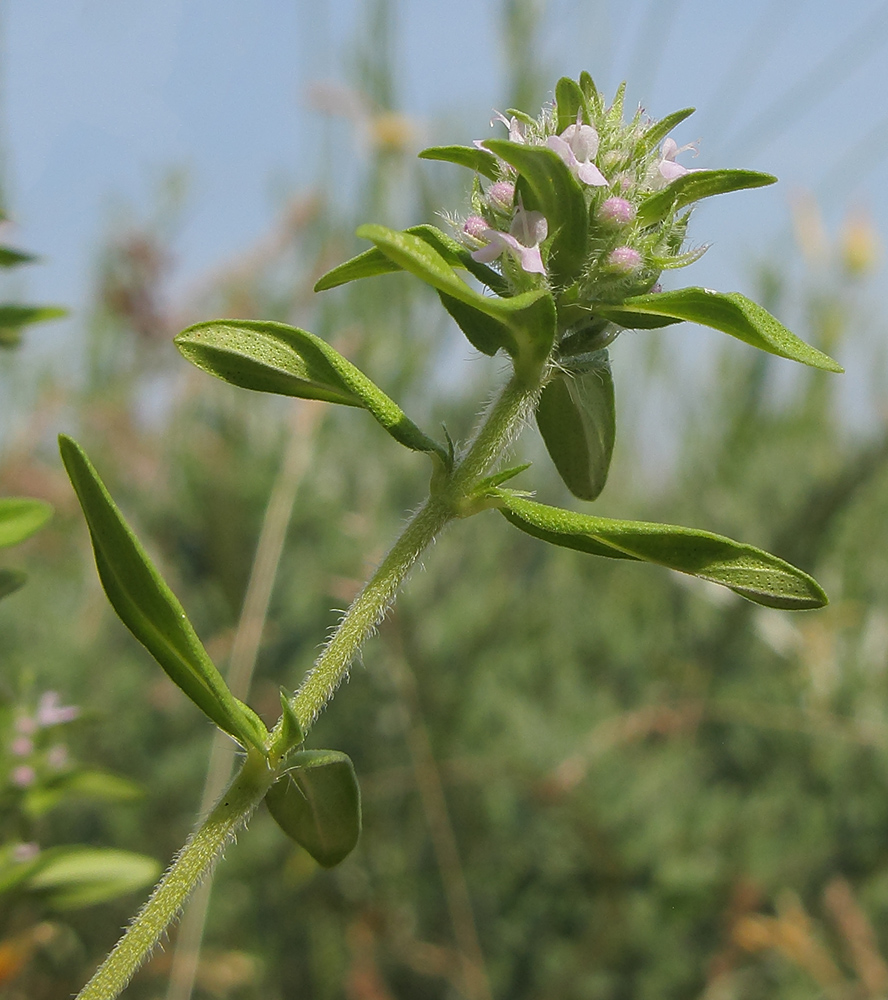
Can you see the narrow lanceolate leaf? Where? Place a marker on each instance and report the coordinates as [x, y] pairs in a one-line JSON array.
[[12, 258], [577, 420], [374, 261], [729, 312], [553, 190], [20, 517], [475, 159], [748, 571], [148, 607], [570, 101], [274, 357], [697, 184], [14, 316], [526, 322], [317, 803]]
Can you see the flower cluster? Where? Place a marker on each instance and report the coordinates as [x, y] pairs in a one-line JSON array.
[[618, 165], [26, 746]]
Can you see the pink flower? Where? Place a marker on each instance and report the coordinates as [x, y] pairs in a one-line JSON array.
[[577, 146], [668, 168], [21, 746], [25, 725], [516, 129], [57, 757], [51, 713], [23, 777], [527, 232]]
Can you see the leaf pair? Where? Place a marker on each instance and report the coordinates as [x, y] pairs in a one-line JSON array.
[[317, 801], [748, 571]]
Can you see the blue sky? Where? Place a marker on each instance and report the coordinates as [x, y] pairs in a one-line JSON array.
[[101, 98]]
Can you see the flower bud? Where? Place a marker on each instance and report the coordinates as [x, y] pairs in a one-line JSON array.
[[623, 260], [617, 211], [475, 227], [501, 196]]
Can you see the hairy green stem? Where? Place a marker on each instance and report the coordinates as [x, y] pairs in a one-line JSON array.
[[194, 861], [497, 428]]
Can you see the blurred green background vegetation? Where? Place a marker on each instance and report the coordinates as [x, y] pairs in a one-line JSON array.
[[582, 780]]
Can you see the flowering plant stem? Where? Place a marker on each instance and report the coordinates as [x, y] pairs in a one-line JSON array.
[[192, 864], [497, 429]]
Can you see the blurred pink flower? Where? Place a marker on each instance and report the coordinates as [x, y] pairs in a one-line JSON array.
[[23, 777], [51, 713], [21, 746]]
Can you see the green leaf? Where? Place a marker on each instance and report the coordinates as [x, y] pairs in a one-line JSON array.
[[12, 258], [317, 803], [81, 876], [465, 156], [695, 185], [728, 312], [569, 101], [527, 320], [274, 357], [373, 262], [148, 607], [748, 571], [577, 420], [553, 190], [100, 785], [20, 517], [659, 130], [11, 580], [14, 317]]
